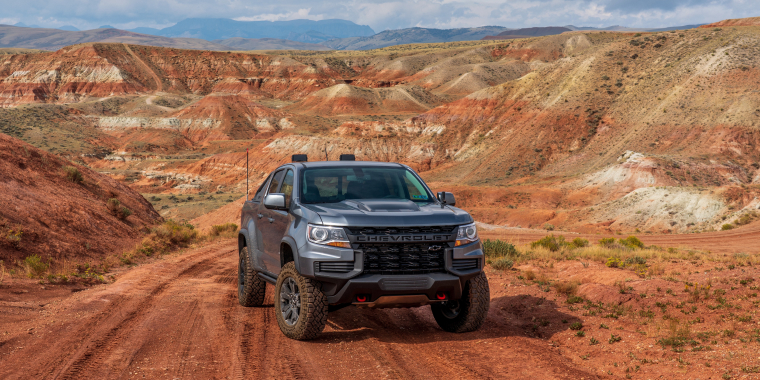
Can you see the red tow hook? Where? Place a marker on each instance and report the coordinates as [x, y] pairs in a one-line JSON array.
[[441, 296], [361, 298]]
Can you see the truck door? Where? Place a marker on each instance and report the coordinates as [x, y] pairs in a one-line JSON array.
[[265, 226], [279, 221]]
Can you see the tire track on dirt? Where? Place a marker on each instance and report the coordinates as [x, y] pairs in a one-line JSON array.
[[102, 347]]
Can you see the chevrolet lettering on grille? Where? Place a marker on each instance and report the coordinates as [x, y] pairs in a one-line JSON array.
[[401, 238]]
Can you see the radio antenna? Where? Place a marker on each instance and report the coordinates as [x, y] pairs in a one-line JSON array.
[[247, 194]]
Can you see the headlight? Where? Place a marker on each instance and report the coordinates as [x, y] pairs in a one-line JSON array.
[[332, 236], [467, 234]]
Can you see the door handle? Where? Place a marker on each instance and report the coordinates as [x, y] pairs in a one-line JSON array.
[[260, 216], [271, 220]]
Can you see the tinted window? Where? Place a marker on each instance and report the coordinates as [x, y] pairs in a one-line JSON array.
[[260, 191], [325, 185], [287, 187], [275, 184]]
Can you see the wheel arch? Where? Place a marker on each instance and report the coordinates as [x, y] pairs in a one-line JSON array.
[[289, 252]]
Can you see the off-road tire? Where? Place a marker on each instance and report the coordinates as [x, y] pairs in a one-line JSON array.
[[251, 288], [313, 306], [473, 307]]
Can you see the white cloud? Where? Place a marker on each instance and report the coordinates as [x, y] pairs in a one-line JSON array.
[[303, 13]]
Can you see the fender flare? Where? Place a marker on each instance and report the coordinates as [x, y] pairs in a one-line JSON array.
[[293, 248]]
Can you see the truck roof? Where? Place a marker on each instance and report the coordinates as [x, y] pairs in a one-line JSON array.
[[327, 164]]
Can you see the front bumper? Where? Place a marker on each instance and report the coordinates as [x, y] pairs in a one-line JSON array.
[[342, 288]]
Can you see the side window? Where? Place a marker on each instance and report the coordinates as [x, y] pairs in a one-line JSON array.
[[260, 192], [275, 184], [287, 187]]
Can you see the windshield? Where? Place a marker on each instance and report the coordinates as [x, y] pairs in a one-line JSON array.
[[328, 185]]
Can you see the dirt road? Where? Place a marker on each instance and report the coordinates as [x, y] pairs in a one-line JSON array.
[[179, 318]]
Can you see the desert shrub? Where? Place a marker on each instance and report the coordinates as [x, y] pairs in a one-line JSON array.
[[226, 229], [631, 242], [635, 260], [503, 263], [13, 235], [607, 242], [727, 227], [567, 288], [73, 174], [551, 242], [164, 238], [498, 248], [35, 267], [746, 218], [549, 227], [116, 209], [529, 275], [576, 326], [613, 262], [579, 243]]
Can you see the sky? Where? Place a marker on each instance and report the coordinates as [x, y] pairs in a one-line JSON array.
[[380, 14]]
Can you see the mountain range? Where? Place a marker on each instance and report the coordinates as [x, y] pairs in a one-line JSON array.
[[226, 35]]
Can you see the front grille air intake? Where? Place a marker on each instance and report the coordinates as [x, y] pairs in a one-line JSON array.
[[401, 230], [335, 266], [465, 264]]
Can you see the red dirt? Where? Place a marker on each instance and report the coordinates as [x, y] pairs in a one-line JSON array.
[[58, 218], [179, 318], [749, 21]]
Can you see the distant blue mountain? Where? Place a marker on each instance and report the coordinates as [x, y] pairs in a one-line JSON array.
[[21, 24], [106, 27], [220, 28], [144, 30], [70, 28]]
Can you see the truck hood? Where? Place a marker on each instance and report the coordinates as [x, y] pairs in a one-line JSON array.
[[387, 213]]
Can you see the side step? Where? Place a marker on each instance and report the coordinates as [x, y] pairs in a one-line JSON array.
[[267, 278]]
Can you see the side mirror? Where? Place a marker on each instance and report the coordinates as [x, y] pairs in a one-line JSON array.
[[447, 198], [275, 201]]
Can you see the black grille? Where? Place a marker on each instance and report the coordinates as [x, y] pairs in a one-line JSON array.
[[335, 267], [403, 258], [401, 230], [465, 264]]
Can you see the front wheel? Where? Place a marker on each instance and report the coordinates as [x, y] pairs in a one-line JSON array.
[[299, 305], [468, 313]]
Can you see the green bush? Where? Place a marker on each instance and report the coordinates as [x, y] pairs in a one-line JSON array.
[[631, 242], [614, 262], [116, 209], [576, 326], [35, 266], [498, 248], [227, 229], [167, 236], [551, 242], [607, 242], [503, 263], [727, 227], [73, 174], [579, 243], [549, 227]]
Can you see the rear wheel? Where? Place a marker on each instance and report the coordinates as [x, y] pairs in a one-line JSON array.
[[469, 312], [251, 288], [300, 306]]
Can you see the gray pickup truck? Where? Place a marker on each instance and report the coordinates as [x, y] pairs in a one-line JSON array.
[[368, 234]]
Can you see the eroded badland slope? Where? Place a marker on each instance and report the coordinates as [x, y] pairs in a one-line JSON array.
[[588, 131], [58, 210]]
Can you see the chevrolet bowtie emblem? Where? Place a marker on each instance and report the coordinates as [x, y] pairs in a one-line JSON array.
[[434, 247]]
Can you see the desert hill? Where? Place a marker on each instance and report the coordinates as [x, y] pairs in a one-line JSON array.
[[412, 36], [749, 21], [48, 210], [528, 32], [579, 130]]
